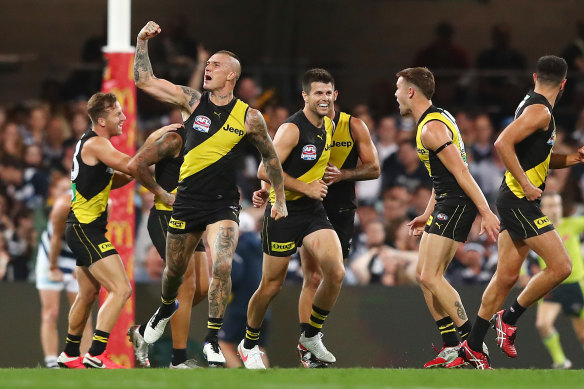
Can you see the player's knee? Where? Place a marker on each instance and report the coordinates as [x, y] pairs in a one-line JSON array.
[[564, 270], [187, 288], [50, 315], [222, 269], [87, 297], [270, 288], [337, 275], [427, 280], [507, 280], [544, 327]]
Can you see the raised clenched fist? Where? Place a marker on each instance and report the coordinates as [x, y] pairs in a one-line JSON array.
[[150, 30]]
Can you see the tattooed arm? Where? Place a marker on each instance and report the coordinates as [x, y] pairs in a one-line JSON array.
[[163, 143], [184, 97], [258, 135]]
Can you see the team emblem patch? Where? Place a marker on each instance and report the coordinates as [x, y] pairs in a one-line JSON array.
[[309, 153], [202, 123], [542, 222], [107, 246], [442, 216]]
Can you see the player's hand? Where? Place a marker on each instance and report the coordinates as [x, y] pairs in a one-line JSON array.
[[259, 198], [55, 275], [332, 174], [279, 210], [202, 55], [490, 225], [317, 190], [173, 126], [581, 154], [168, 198], [532, 192], [417, 225], [150, 30]]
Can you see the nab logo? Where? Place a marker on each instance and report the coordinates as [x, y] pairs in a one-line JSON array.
[[542, 222], [107, 246], [308, 153], [202, 124], [228, 128], [277, 246], [178, 224], [347, 143]]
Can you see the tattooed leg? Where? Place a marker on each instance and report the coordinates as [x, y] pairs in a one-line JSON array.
[[179, 248], [224, 235]]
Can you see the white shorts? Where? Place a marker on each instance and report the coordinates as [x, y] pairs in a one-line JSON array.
[[69, 282]]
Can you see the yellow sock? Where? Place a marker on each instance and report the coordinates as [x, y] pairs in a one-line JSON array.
[[552, 343]]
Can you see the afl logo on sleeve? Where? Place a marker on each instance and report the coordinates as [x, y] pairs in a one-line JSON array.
[[202, 123], [308, 153]]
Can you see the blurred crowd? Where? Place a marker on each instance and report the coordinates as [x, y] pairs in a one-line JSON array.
[[39, 138]]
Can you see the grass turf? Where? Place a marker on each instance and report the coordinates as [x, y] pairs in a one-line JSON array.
[[288, 378]]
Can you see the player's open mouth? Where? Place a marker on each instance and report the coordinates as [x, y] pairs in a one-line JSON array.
[[208, 77], [323, 105]]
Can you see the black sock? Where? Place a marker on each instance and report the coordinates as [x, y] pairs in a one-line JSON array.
[[512, 314], [477, 334], [317, 318], [179, 355], [141, 329], [464, 330], [167, 307], [99, 343], [213, 327], [447, 331], [304, 327], [252, 337], [72, 345]]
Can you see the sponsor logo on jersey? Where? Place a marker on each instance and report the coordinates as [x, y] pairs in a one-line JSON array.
[[202, 123], [347, 143], [107, 246], [228, 128], [178, 224], [422, 151], [308, 153], [430, 220], [442, 216], [542, 222], [109, 170], [277, 246]]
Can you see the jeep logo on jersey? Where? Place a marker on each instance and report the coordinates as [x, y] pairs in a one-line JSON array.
[[234, 130], [309, 153], [202, 123], [343, 144]]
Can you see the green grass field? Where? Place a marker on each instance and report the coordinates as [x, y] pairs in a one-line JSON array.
[[289, 378]]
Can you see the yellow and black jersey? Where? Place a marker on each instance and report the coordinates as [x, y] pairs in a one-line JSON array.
[[344, 155], [533, 153], [445, 185], [166, 173], [308, 159], [91, 187], [212, 152]]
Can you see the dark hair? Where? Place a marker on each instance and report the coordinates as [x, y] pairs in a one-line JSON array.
[[99, 104], [420, 77], [551, 69], [316, 75]]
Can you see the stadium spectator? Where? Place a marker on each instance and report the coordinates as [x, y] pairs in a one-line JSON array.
[[404, 168], [573, 53], [34, 131], [12, 145], [20, 243], [501, 91]]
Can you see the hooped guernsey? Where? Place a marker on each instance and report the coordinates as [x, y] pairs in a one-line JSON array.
[[445, 184], [87, 220]]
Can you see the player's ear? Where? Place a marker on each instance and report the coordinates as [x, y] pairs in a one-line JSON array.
[[411, 92], [563, 84], [101, 122], [305, 97], [534, 78], [232, 76]]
